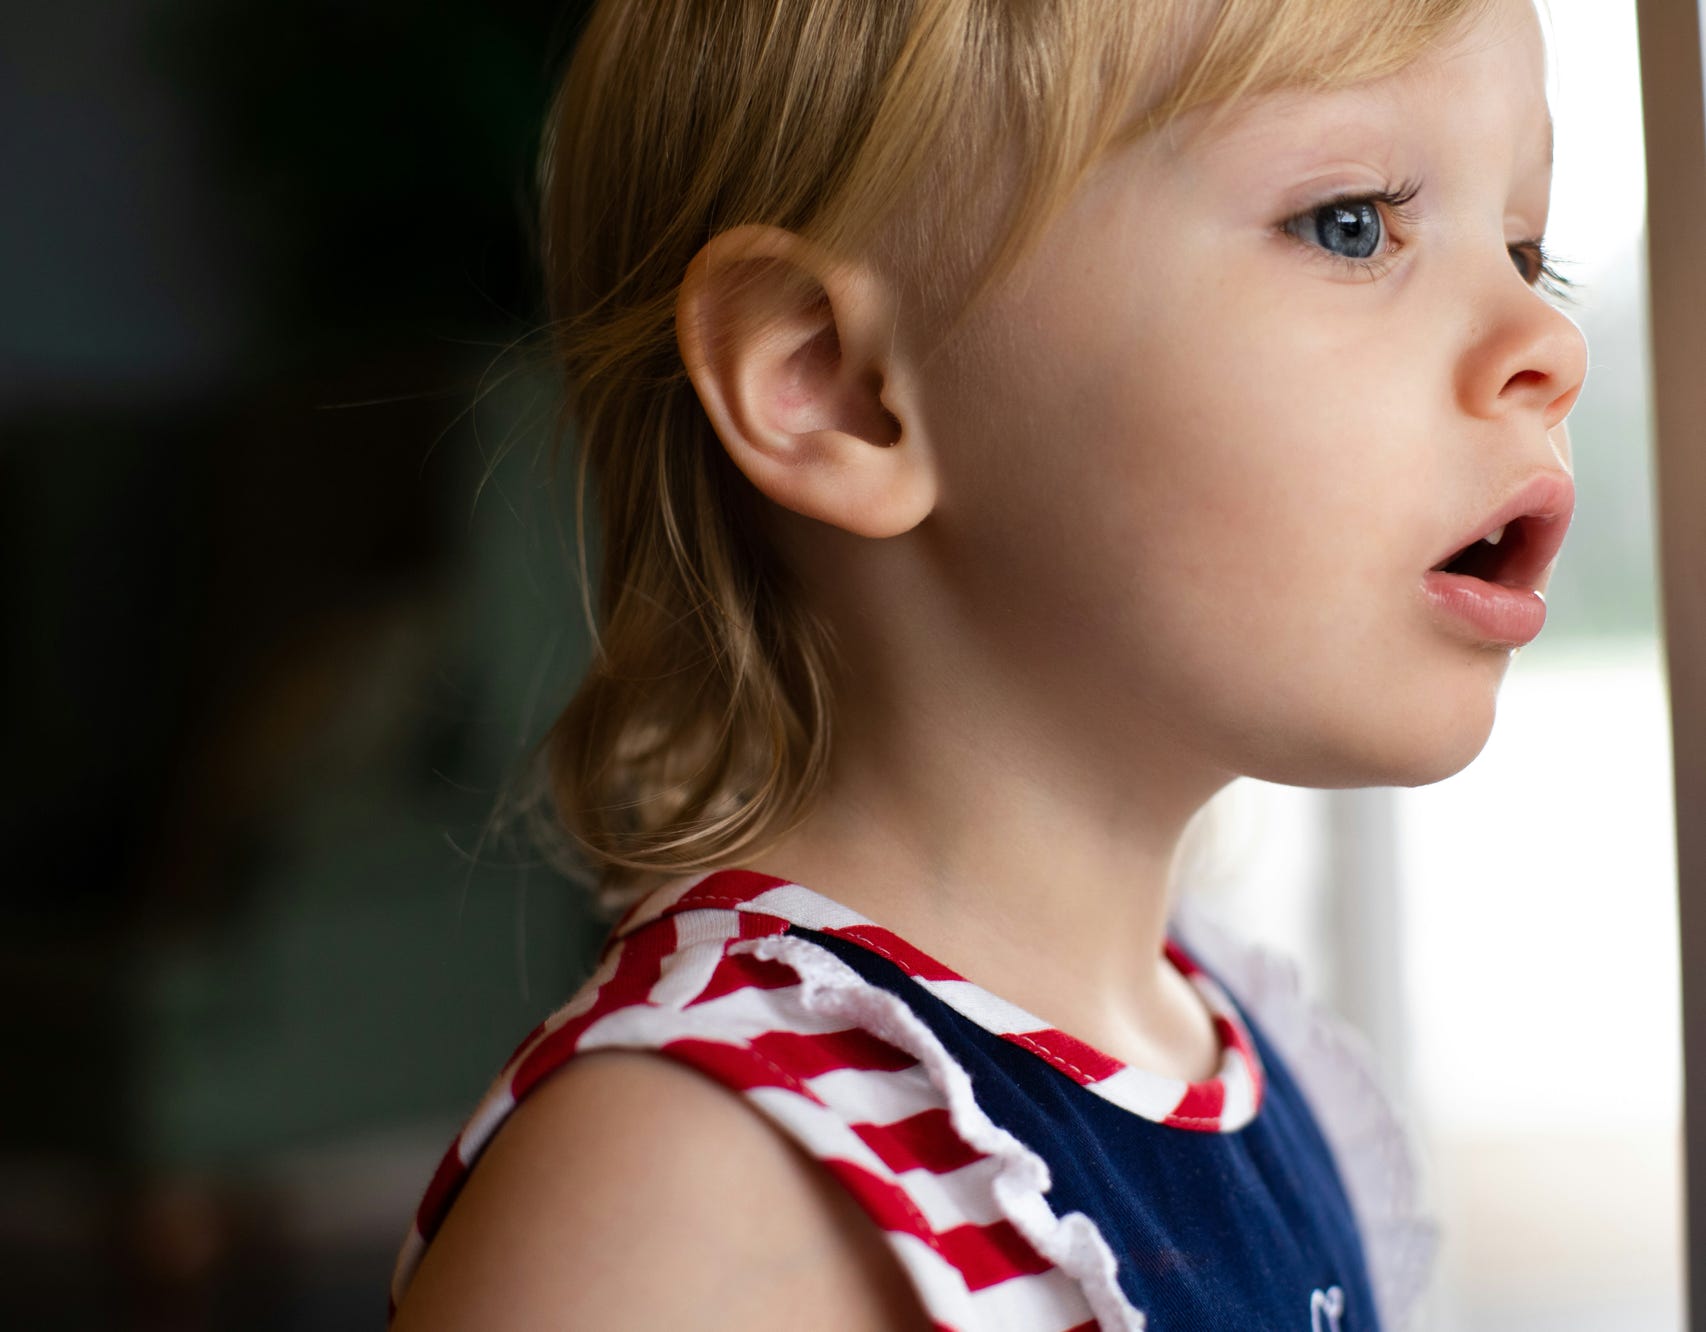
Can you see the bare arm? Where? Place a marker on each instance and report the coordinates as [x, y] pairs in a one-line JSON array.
[[629, 1192]]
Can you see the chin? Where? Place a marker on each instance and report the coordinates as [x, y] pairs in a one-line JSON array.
[[1437, 766], [1428, 750], [1417, 749]]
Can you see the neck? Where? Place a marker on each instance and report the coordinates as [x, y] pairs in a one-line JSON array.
[[1039, 870]]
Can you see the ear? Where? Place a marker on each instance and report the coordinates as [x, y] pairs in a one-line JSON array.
[[794, 358]]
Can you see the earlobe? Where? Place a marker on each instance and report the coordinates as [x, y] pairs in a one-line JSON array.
[[794, 359]]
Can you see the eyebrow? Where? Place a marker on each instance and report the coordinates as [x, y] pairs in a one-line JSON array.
[[1346, 119], [1243, 131]]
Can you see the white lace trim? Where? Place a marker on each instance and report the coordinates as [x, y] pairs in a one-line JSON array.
[[1073, 1243], [1373, 1148]]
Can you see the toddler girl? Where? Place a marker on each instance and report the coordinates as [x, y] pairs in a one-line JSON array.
[[1011, 421]]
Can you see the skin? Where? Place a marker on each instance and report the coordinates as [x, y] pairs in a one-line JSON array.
[[549, 1237], [1157, 517]]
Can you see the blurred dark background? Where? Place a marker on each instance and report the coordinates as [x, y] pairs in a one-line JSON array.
[[284, 608]]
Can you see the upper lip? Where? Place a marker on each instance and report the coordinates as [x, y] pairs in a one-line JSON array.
[[1543, 506]]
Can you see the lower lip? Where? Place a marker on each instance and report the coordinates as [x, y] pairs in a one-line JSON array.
[[1498, 615]]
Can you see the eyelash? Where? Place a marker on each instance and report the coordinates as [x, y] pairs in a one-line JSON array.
[[1539, 268]]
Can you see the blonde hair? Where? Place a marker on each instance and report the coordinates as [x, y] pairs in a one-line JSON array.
[[703, 728]]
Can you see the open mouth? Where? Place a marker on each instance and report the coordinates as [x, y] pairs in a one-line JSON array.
[[1493, 558], [1519, 541], [1489, 585]]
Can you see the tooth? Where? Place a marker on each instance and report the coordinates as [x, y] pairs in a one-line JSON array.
[[1495, 536]]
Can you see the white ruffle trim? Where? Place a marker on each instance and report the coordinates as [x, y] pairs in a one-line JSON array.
[[828, 986], [1372, 1146]]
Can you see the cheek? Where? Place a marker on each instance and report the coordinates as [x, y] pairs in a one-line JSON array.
[[1206, 464], [1220, 524], [1258, 481]]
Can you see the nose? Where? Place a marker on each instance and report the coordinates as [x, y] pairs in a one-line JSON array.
[[1526, 356]]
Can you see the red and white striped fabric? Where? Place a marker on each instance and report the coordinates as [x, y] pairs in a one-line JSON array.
[[704, 971], [707, 971]]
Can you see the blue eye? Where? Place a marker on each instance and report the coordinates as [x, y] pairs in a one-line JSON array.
[[1358, 229], [1352, 229]]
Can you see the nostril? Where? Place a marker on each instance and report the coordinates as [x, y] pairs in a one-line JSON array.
[[1557, 393], [1524, 379]]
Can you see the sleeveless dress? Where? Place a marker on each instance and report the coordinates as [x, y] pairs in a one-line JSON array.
[[1025, 1181]]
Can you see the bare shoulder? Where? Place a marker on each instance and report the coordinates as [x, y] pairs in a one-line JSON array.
[[629, 1191]]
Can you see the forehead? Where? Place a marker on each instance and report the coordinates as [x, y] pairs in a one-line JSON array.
[[1484, 87]]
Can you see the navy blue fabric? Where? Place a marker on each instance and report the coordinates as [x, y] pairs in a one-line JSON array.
[[1213, 1232]]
